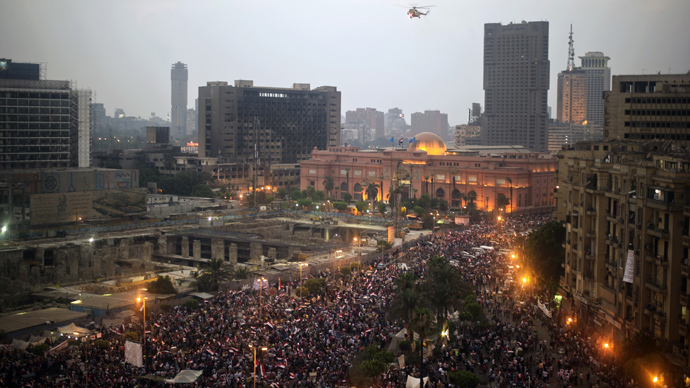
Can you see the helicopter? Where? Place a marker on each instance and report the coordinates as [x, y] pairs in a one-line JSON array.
[[415, 12]]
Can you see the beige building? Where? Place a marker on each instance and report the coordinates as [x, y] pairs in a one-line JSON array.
[[467, 135], [572, 96], [561, 134], [627, 218], [643, 107]]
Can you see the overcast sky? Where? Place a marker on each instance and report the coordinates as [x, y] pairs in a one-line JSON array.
[[370, 50]]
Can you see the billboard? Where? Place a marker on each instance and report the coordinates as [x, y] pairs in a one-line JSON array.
[[56, 208]]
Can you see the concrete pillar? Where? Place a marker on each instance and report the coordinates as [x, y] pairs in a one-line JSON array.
[[255, 252], [146, 252], [185, 246], [218, 249], [293, 251], [124, 248], [272, 254], [232, 253], [85, 255], [162, 245], [39, 255], [196, 249]]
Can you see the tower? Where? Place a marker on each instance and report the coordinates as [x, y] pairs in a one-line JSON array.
[[178, 117], [571, 90], [595, 66], [516, 84]]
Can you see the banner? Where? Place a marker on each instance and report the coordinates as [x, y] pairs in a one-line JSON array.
[[133, 354], [629, 270], [401, 361]]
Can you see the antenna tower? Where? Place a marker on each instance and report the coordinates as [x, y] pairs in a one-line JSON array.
[[571, 51]]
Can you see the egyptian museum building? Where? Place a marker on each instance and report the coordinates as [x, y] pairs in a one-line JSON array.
[[428, 166]]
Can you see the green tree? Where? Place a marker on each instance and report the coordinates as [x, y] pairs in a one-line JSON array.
[[424, 201], [218, 272], [443, 287], [310, 192], [328, 184], [406, 281], [319, 195], [420, 211], [463, 379], [361, 206], [372, 192], [241, 273], [373, 368], [304, 203], [422, 323], [428, 221], [314, 285], [502, 201], [191, 304], [404, 304], [340, 206], [544, 253], [202, 190], [382, 208], [347, 197], [295, 194], [162, 285]]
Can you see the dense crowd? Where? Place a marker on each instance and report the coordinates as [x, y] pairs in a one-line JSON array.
[[312, 341]]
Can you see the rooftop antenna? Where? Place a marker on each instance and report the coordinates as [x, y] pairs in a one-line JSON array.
[[571, 51]]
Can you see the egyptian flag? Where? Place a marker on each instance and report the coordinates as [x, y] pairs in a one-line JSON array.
[[281, 366], [400, 141], [293, 375], [269, 324], [279, 285], [263, 371]]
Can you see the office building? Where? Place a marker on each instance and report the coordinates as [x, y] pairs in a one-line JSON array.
[[644, 107], [572, 96], [516, 84], [43, 123], [249, 124], [595, 66], [561, 134], [395, 122], [430, 121], [466, 134], [369, 118], [178, 94]]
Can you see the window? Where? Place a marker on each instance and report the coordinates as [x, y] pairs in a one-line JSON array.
[[472, 179]]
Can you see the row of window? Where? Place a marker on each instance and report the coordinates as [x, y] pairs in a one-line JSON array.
[[657, 100]]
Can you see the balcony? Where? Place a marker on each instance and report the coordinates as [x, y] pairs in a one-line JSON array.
[[686, 240], [654, 284], [684, 299], [662, 261], [686, 211], [658, 232], [685, 269], [612, 265], [588, 275], [591, 211], [649, 309], [680, 351], [589, 256], [683, 328], [669, 206], [591, 233]]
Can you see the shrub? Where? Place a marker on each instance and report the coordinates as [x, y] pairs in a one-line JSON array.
[[301, 291], [191, 304], [474, 310], [101, 343], [314, 285], [39, 349], [405, 346], [345, 271], [373, 368], [464, 379], [132, 336], [162, 285]]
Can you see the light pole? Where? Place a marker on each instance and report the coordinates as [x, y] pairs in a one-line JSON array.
[[359, 252], [301, 287], [143, 335], [86, 357], [263, 349], [261, 286]]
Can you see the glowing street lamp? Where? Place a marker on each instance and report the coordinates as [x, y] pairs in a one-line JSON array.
[[263, 349], [301, 287], [261, 286]]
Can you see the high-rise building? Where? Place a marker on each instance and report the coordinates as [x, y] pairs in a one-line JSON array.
[[395, 122], [641, 107], [595, 66], [572, 96], [43, 123], [369, 117], [178, 113], [516, 84], [285, 124], [430, 121]]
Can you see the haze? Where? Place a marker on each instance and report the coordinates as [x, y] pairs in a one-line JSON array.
[[370, 50]]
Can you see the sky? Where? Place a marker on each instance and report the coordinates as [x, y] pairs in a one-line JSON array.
[[369, 49]]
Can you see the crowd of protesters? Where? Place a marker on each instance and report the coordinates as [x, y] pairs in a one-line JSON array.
[[311, 341]]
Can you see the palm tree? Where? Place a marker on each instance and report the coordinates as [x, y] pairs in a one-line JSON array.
[[328, 184], [501, 201], [406, 281], [372, 192], [422, 323], [510, 182], [218, 272], [403, 305], [241, 273], [347, 177], [444, 287]]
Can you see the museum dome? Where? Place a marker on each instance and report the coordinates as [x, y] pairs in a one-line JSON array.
[[429, 142]]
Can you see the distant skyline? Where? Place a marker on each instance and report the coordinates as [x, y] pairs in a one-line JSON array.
[[370, 50]]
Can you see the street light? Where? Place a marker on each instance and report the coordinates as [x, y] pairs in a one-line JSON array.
[[263, 349], [143, 336], [359, 252], [86, 357], [301, 287], [261, 286]]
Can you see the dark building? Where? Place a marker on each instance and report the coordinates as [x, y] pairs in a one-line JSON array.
[[157, 135], [285, 124], [516, 84], [178, 94], [19, 70], [43, 123], [430, 121], [369, 117]]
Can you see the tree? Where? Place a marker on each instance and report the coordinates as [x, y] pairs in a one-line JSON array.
[[443, 287], [328, 184], [314, 285], [203, 283], [544, 253], [202, 190], [304, 203], [510, 183], [501, 201], [424, 201], [347, 197], [372, 192], [463, 379], [241, 273], [162, 285], [420, 211], [310, 192], [218, 272], [422, 323], [361, 206], [382, 208], [340, 206]]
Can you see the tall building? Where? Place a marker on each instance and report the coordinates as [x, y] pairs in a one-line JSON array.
[[178, 117], [516, 84], [43, 123], [395, 122], [430, 121], [285, 124], [572, 96], [642, 107], [595, 66], [369, 117]]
